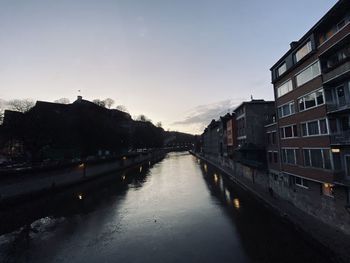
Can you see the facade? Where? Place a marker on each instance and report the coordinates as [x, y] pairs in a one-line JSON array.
[[211, 139], [312, 93], [231, 134], [251, 118]]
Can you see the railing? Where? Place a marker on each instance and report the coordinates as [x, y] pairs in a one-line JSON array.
[[341, 138], [337, 107], [337, 72]]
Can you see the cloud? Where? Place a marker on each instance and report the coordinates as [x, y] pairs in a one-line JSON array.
[[199, 117]]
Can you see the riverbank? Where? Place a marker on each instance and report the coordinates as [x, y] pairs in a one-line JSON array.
[[332, 240], [26, 186]]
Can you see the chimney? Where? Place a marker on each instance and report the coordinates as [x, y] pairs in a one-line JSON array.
[[293, 44]]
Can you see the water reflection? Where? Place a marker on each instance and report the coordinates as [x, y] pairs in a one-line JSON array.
[[264, 236], [180, 210]]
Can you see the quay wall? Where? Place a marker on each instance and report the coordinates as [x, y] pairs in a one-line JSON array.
[[23, 187], [323, 220]]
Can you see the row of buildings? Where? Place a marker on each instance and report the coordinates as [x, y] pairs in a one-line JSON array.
[[302, 139], [55, 131]]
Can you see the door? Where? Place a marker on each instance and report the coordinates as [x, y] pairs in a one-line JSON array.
[[347, 165], [341, 96]]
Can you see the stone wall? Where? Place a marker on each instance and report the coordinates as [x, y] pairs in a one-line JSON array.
[[333, 211]]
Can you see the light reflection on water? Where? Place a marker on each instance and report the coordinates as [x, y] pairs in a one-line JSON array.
[[180, 210]]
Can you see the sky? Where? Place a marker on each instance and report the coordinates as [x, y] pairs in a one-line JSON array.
[[180, 62]]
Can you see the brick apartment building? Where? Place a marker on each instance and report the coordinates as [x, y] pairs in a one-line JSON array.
[[312, 93]]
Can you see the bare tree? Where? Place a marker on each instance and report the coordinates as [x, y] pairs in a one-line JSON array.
[[122, 108], [108, 102], [142, 117], [62, 101], [23, 105], [99, 102], [2, 115]]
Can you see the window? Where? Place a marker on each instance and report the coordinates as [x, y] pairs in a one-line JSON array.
[[289, 156], [311, 100], [317, 127], [270, 157], [273, 137], [312, 127], [275, 157], [328, 189], [284, 88], [333, 30], [286, 110], [337, 58], [289, 131], [301, 182], [308, 74], [318, 158], [303, 51], [282, 69], [323, 126]]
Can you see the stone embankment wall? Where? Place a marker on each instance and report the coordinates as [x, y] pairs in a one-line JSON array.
[[282, 194], [329, 231], [23, 186]]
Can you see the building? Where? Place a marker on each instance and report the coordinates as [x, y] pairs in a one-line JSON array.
[[312, 94], [211, 139], [251, 118], [231, 134]]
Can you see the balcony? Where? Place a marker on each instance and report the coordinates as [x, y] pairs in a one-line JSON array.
[[336, 107], [341, 138], [339, 73]]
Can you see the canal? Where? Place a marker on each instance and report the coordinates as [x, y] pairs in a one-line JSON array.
[[177, 210]]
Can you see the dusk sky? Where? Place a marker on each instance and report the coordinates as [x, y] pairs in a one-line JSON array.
[[180, 62]]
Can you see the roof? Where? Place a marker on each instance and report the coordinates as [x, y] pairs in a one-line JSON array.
[[337, 7], [258, 101]]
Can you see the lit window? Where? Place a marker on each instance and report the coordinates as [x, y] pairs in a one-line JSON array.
[[303, 51]]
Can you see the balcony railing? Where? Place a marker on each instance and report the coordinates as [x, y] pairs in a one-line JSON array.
[[341, 138], [336, 73], [332, 107]]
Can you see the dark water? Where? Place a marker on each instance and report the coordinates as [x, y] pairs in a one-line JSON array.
[[179, 210]]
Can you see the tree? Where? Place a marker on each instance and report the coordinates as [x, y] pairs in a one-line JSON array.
[[122, 108], [99, 102], [142, 117], [2, 115], [108, 102], [62, 101], [159, 124], [23, 105]]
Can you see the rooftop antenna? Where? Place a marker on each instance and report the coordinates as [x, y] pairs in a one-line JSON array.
[[79, 95]]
